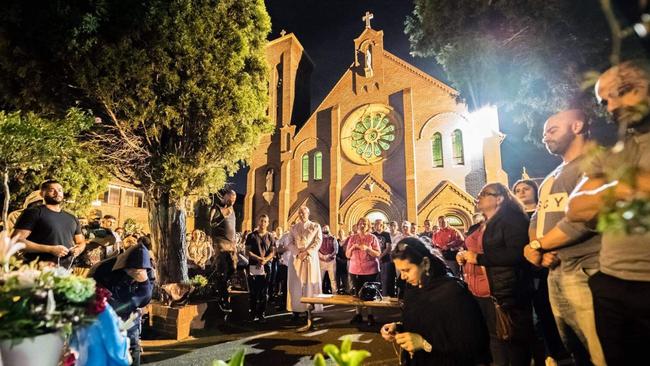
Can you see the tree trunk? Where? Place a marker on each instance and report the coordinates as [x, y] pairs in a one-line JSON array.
[[5, 204], [167, 223]]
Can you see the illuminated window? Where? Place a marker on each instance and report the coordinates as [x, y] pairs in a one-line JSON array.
[[455, 221], [318, 165], [457, 147], [134, 198], [112, 196], [436, 149], [305, 168]]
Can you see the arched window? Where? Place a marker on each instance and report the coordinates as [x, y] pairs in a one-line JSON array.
[[436, 150], [305, 168], [318, 165], [457, 147]]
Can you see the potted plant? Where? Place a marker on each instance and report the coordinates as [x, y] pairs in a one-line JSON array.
[[39, 308]]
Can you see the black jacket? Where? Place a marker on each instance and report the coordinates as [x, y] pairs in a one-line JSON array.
[[448, 317], [508, 272]]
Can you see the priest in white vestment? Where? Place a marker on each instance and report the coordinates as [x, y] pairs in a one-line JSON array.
[[304, 267]]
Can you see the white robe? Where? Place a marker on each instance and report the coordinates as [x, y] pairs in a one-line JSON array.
[[304, 276]]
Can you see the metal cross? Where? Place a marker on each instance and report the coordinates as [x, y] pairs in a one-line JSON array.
[[367, 18]]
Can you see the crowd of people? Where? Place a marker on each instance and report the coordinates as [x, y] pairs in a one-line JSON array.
[[531, 279]]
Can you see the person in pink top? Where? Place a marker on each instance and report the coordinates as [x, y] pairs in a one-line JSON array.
[[363, 250]]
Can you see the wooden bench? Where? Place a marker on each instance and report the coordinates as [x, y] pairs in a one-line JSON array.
[[344, 300]]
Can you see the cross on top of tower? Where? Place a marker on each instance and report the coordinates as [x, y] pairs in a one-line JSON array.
[[367, 18], [282, 33]]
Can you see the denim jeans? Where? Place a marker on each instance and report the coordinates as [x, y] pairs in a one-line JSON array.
[[573, 309]]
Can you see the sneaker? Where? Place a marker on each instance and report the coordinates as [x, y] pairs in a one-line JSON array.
[[371, 320], [356, 319]]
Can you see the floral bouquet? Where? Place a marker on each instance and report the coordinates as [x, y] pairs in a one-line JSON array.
[[37, 301]]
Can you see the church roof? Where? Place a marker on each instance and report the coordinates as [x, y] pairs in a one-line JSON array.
[[421, 73]]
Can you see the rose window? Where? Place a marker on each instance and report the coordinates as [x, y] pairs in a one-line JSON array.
[[372, 135]]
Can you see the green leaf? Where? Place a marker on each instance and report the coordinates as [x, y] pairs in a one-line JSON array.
[[346, 345], [357, 357], [237, 359], [319, 360]]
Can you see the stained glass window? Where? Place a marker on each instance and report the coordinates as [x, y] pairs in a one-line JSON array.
[[372, 135], [457, 147], [436, 149], [318, 165], [305, 168]]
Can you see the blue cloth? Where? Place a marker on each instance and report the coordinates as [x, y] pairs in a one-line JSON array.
[[103, 340]]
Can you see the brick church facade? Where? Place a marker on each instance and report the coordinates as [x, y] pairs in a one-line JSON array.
[[387, 141]]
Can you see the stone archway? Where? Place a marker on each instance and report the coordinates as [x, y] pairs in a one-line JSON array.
[[464, 216], [364, 206]]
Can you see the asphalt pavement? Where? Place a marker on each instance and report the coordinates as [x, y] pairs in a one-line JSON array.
[[277, 342]]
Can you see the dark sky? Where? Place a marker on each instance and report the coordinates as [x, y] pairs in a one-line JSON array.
[[327, 28]]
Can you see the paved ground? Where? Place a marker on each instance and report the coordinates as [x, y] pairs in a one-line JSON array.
[[276, 342]]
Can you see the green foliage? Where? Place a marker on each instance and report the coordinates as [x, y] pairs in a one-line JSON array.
[[526, 56], [199, 281], [181, 86], [34, 148], [35, 302], [236, 360], [131, 227], [345, 356]]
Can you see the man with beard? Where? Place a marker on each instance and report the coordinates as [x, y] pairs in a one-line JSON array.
[[621, 289], [222, 222], [575, 244], [49, 233]]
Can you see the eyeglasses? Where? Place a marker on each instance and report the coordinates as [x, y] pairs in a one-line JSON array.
[[485, 193]]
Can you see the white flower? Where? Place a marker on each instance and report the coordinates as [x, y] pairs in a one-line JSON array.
[[51, 303], [26, 277], [58, 271], [8, 246]]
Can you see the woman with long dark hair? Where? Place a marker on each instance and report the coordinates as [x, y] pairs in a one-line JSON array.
[[508, 274], [441, 322]]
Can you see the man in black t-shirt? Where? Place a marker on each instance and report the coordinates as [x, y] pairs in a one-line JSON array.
[[49, 233], [260, 247], [387, 269]]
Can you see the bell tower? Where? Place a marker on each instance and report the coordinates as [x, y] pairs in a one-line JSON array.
[[368, 71]]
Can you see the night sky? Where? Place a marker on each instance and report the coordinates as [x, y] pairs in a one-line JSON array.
[[327, 28]]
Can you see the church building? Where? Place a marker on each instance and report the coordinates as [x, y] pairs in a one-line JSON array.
[[388, 141]]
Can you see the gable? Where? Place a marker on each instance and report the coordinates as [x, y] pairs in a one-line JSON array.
[[317, 211], [447, 198]]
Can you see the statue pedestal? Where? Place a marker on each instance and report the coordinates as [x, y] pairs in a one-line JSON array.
[[268, 197]]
